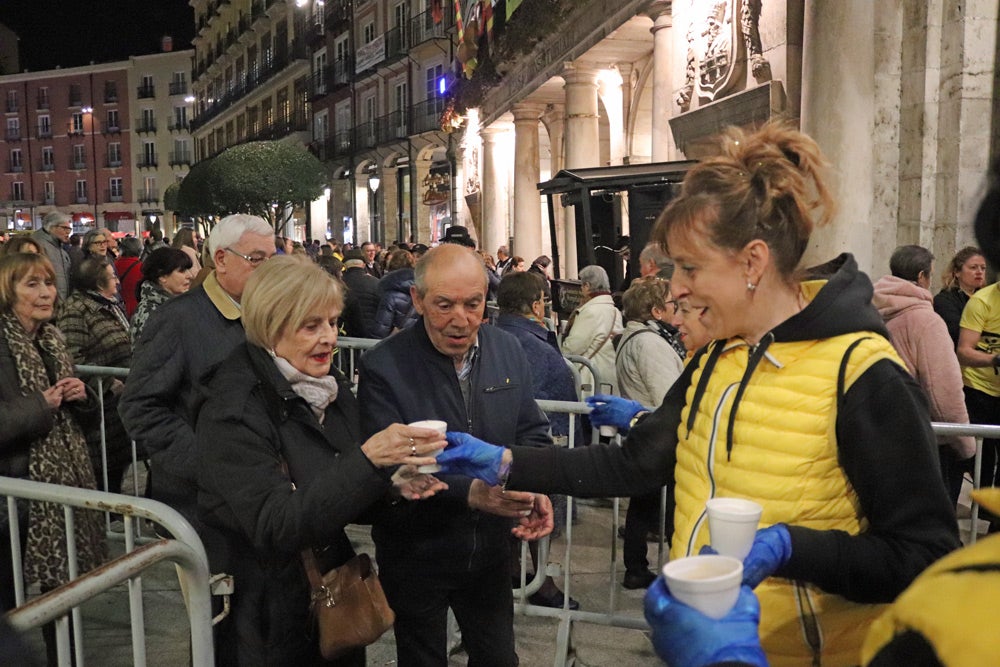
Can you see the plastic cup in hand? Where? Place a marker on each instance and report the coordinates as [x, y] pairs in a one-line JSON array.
[[438, 426], [710, 583], [609, 431], [732, 525]]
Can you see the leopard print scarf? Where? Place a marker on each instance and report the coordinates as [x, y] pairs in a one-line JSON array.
[[58, 458]]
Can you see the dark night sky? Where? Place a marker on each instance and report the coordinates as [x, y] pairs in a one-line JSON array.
[[69, 33]]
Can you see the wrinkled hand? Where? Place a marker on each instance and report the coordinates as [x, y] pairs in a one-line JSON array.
[[399, 444], [613, 411], [53, 397], [493, 499], [468, 455], [72, 389], [772, 547], [414, 485], [684, 637], [539, 522]]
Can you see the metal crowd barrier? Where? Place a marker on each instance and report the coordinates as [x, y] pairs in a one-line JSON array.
[[185, 550]]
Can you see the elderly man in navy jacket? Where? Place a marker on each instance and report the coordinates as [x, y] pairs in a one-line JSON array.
[[452, 550]]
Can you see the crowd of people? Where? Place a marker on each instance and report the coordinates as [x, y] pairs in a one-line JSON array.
[[727, 370]]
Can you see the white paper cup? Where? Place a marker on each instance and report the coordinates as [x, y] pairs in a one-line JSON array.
[[710, 584], [439, 426], [609, 431], [732, 525]]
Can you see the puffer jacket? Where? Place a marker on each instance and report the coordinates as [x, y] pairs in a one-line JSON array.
[[257, 521], [360, 303], [395, 308], [921, 338]]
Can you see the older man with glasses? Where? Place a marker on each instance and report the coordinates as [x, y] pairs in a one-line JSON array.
[[185, 337], [53, 237]]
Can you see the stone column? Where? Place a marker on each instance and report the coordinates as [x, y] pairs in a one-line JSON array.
[[845, 136], [527, 201], [554, 121], [662, 139], [388, 204], [495, 189], [582, 141]]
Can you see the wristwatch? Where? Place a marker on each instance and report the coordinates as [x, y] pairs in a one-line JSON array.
[[635, 420]]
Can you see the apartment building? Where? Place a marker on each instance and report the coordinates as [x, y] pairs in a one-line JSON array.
[[77, 139]]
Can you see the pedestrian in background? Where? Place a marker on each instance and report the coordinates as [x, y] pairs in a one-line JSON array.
[[965, 274], [166, 274]]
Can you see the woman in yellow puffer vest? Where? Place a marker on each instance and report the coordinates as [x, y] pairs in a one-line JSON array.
[[800, 403]]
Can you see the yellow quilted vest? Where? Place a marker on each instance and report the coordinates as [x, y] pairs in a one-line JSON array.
[[784, 456]]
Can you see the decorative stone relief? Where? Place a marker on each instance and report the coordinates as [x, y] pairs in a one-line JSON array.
[[715, 65]]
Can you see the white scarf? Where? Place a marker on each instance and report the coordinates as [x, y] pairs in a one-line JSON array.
[[318, 392]]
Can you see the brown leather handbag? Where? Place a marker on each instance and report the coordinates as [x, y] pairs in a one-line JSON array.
[[350, 608]]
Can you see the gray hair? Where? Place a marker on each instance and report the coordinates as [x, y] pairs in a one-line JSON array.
[[596, 277], [231, 228], [55, 218], [654, 253]]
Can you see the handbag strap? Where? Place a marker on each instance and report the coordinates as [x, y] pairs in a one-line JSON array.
[[309, 562]]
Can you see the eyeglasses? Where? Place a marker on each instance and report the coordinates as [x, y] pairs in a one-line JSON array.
[[64, 227], [253, 260], [98, 243]]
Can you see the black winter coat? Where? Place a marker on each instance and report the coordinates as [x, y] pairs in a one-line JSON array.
[[360, 304], [395, 309], [251, 421], [23, 419]]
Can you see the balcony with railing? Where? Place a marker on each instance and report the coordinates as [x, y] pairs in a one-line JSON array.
[[145, 91], [49, 200], [74, 130], [148, 196], [176, 125], [78, 162], [111, 129], [180, 158], [423, 28], [110, 95], [15, 167], [48, 166], [178, 87], [146, 160], [113, 196], [13, 134], [42, 102], [145, 126], [80, 198], [13, 106], [44, 132], [426, 116], [393, 127], [338, 12], [396, 45], [113, 162]]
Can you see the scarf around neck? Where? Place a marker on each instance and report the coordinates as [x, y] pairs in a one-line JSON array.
[[317, 392]]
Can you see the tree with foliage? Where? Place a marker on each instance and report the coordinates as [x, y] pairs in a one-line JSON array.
[[265, 178]]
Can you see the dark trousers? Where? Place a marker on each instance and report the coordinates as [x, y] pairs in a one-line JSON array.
[[985, 409], [7, 599], [483, 606], [953, 471], [642, 518]]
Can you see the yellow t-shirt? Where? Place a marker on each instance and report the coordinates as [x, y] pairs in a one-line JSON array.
[[982, 314]]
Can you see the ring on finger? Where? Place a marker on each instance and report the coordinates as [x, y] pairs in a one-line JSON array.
[[413, 448]]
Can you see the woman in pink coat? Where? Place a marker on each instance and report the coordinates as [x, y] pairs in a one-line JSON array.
[[921, 338]]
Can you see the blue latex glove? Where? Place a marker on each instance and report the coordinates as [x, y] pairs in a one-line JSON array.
[[613, 411], [468, 455], [772, 547], [684, 637]]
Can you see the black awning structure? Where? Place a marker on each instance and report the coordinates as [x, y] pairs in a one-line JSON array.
[[595, 194]]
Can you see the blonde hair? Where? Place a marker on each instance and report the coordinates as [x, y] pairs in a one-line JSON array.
[[282, 294], [768, 185], [642, 296], [13, 269]]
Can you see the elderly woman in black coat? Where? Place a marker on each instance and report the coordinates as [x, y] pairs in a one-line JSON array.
[[282, 467]]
